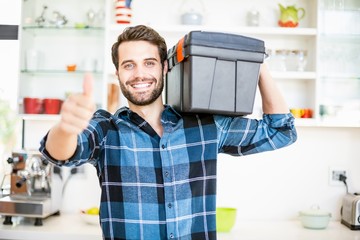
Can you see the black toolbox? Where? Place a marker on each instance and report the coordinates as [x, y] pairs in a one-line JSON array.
[[214, 72]]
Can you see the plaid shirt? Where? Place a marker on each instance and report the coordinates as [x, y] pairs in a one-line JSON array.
[[165, 188]]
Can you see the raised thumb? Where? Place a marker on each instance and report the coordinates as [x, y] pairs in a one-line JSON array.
[[88, 85]]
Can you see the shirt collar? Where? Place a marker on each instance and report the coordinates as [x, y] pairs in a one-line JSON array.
[[169, 115]]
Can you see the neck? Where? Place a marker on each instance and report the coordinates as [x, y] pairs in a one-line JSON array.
[[151, 113]]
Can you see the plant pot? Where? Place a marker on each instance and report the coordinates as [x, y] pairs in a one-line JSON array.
[[52, 105], [33, 105]]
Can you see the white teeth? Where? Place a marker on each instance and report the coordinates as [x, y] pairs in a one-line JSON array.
[[141, 85]]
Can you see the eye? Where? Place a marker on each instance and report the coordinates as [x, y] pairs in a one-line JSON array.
[[150, 63], [128, 66]]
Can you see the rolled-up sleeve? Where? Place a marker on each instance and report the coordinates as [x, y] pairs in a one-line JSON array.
[[243, 136], [80, 156], [88, 143]]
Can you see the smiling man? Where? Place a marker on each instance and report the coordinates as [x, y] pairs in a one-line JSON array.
[[156, 166]]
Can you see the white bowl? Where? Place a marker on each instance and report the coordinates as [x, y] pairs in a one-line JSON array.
[[90, 219], [315, 218]]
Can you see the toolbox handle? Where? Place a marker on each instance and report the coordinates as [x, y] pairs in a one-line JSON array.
[[180, 50], [177, 53]]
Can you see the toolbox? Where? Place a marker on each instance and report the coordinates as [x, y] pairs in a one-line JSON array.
[[214, 72]]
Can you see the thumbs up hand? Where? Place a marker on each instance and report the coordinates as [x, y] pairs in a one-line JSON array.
[[78, 109]]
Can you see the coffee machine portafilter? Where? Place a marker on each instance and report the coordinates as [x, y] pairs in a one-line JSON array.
[[35, 188]]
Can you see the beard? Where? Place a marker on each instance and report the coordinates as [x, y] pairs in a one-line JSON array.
[[143, 99]]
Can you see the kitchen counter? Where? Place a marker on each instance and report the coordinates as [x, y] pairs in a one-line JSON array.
[[62, 227], [73, 227]]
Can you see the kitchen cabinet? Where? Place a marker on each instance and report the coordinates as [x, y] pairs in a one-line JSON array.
[[55, 35], [311, 87], [339, 57]]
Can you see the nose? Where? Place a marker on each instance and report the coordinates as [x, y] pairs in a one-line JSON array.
[[139, 72]]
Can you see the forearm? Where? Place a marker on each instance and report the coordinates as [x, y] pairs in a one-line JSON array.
[[61, 145], [272, 100], [76, 113]]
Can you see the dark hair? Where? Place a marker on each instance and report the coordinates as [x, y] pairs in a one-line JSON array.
[[139, 33]]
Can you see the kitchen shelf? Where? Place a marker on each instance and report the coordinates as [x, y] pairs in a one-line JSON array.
[[338, 123], [329, 123], [41, 117], [341, 77], [305, 122], [233, 29], [35, 30], [59, 72], [294, 75], [340, 37]]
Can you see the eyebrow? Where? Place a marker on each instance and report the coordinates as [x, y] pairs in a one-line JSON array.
[[131, 61]]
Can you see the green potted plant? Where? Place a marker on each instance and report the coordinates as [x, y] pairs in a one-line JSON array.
[[8, 122]]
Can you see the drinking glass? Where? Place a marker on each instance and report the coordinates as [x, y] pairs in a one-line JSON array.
[[301, 60]]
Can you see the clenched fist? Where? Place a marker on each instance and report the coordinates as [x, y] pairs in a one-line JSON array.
[[78, 109]]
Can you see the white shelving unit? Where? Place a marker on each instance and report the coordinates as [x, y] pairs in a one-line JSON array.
[[56, 46], [338, 68], [302, 89], [299, 87]]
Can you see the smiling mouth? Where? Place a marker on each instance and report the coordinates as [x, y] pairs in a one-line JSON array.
[[141, 85]]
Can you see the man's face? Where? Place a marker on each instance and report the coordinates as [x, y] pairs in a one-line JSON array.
[[140, 72]]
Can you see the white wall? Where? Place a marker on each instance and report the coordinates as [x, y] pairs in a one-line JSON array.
[[10, 12], [277, 185]]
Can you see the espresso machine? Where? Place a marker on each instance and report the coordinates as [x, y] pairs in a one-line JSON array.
[[35, 188]]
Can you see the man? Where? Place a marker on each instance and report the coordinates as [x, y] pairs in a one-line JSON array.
[[157, 167]]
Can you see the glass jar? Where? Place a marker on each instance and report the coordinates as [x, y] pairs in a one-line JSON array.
[[301, 56], [335, 4], [253, 18], [280, 58]]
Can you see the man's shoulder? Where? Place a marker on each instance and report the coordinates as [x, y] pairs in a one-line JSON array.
[[197, 119], [102, 113]]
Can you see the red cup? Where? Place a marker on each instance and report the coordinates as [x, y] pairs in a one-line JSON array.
[[52, 105], [33, 105]]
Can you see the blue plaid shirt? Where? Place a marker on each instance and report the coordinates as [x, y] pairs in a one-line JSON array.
[[165, 188]]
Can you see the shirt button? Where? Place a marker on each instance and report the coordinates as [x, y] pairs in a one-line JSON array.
[[163, 146], [169, 205], [171, 235], [166, 173]]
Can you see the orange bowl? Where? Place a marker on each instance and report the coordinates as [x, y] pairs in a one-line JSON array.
[[71, 67]]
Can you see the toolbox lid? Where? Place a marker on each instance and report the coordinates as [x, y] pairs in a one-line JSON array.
[[224, 40], [216, 44]]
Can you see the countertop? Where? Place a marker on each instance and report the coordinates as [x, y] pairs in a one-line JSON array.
[[73, 227]]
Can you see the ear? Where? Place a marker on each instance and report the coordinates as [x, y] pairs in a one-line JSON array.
[[165, 70]]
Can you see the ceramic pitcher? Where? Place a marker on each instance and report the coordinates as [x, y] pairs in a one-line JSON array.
[[290, 16]]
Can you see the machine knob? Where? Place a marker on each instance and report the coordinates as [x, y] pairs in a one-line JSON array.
[[20, 182], [13, 160], [10, 160], [44, 161]]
